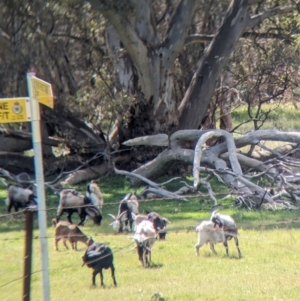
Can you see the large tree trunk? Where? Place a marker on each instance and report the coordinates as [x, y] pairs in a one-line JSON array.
[[153, 60], [197, 98]]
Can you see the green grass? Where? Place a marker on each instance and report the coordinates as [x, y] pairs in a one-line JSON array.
[[268, 270], [269, 241], [284, 118]]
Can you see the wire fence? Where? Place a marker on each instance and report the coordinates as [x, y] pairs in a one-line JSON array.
[[70, 266], [125, 249]]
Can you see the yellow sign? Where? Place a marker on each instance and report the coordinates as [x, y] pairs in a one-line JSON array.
[[42, 91], [14, 110]]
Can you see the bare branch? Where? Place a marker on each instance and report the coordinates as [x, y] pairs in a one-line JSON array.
[[204, 38], [231, 152], [151, 183], [210, 191], [259, 18]]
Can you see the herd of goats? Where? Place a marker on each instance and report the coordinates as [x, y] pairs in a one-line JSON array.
[[146, 227]]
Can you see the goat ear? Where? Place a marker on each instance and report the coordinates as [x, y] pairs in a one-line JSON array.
[[112, 216], [166, 220]]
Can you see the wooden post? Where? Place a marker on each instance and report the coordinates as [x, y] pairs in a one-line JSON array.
[[28, 254]]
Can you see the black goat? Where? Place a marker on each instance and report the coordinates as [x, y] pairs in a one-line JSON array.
[[19, 197], [99, 256]]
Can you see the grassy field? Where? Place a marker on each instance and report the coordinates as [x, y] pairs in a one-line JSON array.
[[268, 270], [269, 241]]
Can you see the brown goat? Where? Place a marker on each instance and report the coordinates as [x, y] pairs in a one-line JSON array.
[[69, 232]]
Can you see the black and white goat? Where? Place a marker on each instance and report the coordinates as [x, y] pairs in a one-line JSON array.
[[19, 197], [99, 256], [159, 222], [71, 201], [145, 236], [127, 206], [219, 229]]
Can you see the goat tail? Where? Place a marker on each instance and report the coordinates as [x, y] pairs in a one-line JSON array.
[[54, 222]]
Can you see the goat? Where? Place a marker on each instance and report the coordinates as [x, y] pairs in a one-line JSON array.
[[138, 218], [68, 232], [127, 206], [95, 194], [71, 201], [19, 197], [144, 237], [98, 256], [229, 228], [159, 224], [216, 230]]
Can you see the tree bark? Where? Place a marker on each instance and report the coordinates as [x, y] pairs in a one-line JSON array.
[[153, 60], [193, 107]]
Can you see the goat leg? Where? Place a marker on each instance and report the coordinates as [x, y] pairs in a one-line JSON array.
[[237, 246], [9, 207], [226, 246], [101, 277], [60, 211], [65, 244], [69, 217], [94, 277], [56, 240], [113, 274], [212, 247], [82, 220]]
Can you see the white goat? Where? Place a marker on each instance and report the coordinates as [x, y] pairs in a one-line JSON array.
[[94, 193], [138, 218], [219, 229], [144, 237]]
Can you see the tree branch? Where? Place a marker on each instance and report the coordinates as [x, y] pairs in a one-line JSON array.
[[259, 18], [177, 30], [157, 189], [202, 38], [133, 44]]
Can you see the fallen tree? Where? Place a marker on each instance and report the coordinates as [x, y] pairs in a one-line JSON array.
[[228, 163], [253, 179]]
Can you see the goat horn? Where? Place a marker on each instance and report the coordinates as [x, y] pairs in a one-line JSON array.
[[112, 216], [214, 212]]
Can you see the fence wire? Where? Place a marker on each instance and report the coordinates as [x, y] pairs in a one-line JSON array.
[[170, 230]]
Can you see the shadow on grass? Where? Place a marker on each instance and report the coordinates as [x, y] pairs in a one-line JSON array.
[[155, 266], [207, 254]]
